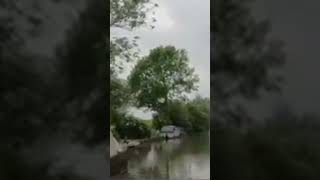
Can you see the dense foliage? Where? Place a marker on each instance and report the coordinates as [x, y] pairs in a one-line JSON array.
[[193, 116], [132, 128], [162, 76]]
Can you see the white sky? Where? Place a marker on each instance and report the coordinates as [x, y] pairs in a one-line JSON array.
[[184, 24]]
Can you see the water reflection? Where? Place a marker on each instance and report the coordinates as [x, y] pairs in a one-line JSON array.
[[187, 158]]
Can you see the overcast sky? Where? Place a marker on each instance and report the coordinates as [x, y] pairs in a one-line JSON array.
[[184, 24]]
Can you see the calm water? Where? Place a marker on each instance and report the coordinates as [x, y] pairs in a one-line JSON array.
[[186, 158]]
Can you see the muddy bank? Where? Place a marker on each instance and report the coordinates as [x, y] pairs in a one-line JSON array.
[[118, 162]]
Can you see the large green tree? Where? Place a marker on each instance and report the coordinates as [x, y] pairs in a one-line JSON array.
[[162, 76]]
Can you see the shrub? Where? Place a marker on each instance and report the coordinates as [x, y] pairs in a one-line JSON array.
[[132, 128]]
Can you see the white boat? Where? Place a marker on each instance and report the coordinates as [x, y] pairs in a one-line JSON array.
[[171, 131]]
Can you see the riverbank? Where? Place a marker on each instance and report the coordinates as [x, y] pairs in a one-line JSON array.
[[160, 159], [124, 145], [134, 143], [132, 146], [119, 159]]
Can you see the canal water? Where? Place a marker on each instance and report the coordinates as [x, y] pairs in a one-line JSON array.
[[185, 158]]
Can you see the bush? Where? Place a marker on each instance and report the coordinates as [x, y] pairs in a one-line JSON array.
[[132, 128]]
